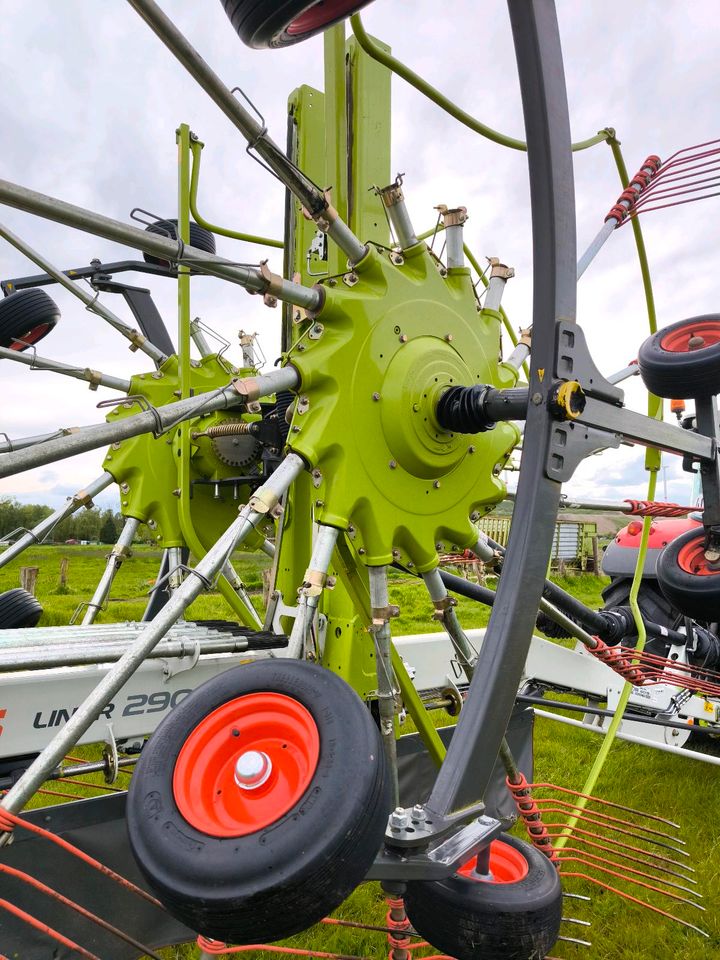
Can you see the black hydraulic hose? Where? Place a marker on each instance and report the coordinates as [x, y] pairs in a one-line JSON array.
[[610, 626]]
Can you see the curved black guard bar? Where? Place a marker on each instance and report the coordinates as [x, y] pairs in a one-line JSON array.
[[466, 771]]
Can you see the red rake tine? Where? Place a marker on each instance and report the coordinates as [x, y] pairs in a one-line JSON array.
[[608, 803], [10, 820], [640, 873], [637, 883], [56, 895], [606, 826], [627, 856], [606, 816], [618, 843], [44, 928], [641, 903]]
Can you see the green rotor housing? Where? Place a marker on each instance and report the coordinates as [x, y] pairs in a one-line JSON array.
[[389, 339]]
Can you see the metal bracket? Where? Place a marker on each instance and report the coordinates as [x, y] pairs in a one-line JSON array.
[[498, 269], [145, 407], [110, 755], [442, 855], [573, 362], [571, 443], [181, 664]]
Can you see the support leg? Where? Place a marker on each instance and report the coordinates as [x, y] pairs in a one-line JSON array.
[[381, 612], [114, 562], [311, 589]]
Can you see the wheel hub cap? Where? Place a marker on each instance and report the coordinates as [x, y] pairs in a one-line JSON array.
[[252, 769]]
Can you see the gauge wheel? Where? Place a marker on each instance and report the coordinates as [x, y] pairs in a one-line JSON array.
[[514, 915], [259, 804], [18, 608], [270, 24], [683, 360], [686, 578], [26, 316]]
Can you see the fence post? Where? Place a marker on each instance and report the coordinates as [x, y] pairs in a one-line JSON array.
[[64, 564], [28, 578]]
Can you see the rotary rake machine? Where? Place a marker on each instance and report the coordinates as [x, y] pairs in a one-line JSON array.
[[273, 781]]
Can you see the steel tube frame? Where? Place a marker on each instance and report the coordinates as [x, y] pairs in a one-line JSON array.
[[235, 581], [114, 562], [611, 224], [148, 639], [8, 446], [380, 604], [462, 646], [39, 532], [93, 377], [320, 558], [494, 293], [646, 431], [466, 772], [108, 651], [454, 246], [137, 340], [254, 131], [50, 208], [101, 434]]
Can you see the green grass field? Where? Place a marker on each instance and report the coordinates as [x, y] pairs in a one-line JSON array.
[[680, 789]]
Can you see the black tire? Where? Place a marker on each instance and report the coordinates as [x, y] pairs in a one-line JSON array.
[[696, 595], [199, 237], [654, 605], [278, 23], [18, 608], [27, 315], [474, 920], [669, 368], [278, 880]]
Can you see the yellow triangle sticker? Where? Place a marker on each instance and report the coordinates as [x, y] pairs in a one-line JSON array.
[[541, 373]]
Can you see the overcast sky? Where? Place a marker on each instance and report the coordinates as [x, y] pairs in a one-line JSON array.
[[91, 100]]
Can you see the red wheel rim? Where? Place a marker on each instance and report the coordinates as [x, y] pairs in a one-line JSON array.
[[687, 338], [32, 336], [507, 865], [319, 15], [692, 559], [270, 725]]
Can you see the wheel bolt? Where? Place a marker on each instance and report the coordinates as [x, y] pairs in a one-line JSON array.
[[252, 769]]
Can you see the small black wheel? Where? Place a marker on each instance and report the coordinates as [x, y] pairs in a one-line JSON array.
[[18, 608], [683, 360], [269, 23], [514, 916], [260, 802], [199, 237], [27, 316], [687, 579]]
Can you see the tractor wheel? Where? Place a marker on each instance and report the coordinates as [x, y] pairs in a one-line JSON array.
[[27, 316], [683, 360], [653, 604], [199, 237], [513, 916], [266, 23], [686, 578], [259, 804], [18, 608]]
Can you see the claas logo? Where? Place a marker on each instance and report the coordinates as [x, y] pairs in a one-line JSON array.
[[2, 717]]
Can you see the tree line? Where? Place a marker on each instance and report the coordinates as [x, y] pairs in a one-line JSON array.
[[96, 526]]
